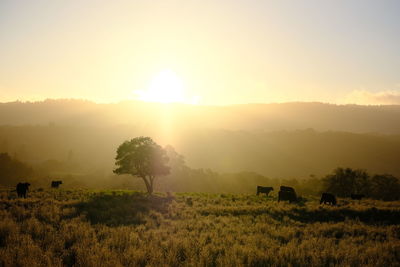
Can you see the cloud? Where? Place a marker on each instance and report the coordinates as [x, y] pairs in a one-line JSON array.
[[363, 97]]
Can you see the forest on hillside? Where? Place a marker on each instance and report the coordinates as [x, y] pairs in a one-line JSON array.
[[212, 149], [280, 154], [153, 116]]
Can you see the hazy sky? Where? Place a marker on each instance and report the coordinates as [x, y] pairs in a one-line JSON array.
[[219, 52]]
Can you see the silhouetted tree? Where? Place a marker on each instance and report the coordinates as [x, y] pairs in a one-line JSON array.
[[12, 169], [346, 181], [4, 146], [385, 187], [176, 160], [144, 158]]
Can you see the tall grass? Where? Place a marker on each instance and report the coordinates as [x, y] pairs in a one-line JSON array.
[[124, 228]]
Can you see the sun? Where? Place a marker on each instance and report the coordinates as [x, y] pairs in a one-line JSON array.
[[165, 87]]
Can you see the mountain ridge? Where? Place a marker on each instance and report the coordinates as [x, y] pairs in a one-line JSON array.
[[270, 117]]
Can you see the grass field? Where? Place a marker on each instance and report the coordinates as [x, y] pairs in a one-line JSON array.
[[126, 228]]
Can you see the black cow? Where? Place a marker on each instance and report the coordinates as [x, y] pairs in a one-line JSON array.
[[263, 189], [287, 189], [22, 188], [287, 193], [328, 198], [55, 184], [357, 196]]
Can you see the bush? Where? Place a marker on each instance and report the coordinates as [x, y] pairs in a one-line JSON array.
[[346, 181]]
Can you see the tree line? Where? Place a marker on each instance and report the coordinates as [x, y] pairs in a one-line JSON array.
[[346, 181], [144, 158], [164, 169]]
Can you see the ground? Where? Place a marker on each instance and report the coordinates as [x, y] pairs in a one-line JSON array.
[[125, 228]]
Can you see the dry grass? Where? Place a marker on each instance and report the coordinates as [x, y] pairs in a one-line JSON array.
[[121, 228]]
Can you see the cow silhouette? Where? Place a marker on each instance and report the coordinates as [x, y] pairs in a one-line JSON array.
[[263, 189], [22, 188], [287, 189], [328, 198], [287, 193], [55, 184], [357, 196]]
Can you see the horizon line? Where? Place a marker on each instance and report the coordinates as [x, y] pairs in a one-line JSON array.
[[187, 104]]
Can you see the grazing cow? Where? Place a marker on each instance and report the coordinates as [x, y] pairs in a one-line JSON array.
[[263, 189], [328, 198], [357, 196], [55, 184], [287, 193], [287, 189], [22, 188]]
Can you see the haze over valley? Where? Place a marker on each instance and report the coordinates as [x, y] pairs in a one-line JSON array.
[[64, 138]]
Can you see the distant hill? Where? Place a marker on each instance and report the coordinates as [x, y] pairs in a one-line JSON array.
[[151, 116], [276, 140], [283, 154], [291, 154]]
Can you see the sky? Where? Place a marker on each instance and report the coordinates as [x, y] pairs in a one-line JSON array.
[[201, 52]]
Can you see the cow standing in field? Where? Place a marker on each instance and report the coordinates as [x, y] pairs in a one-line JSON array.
[[22, 188], [55, 184], [263, 189], [328, 198], [357, 196], [287, 189], [287, 193]]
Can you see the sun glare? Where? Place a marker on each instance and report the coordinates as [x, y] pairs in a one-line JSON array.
[[165, 87]]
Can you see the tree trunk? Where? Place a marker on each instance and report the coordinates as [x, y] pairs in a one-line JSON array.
[[149, 185], [152, 183]]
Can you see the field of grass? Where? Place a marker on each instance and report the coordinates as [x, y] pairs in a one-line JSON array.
[[126, 228]]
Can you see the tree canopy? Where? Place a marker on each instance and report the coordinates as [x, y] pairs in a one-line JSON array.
[[12, 169], [346, 181], [144, 158]]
